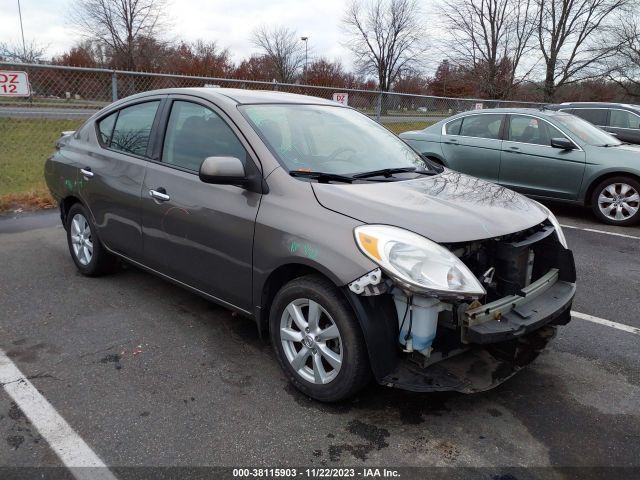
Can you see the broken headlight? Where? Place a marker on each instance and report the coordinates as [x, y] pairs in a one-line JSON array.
[[417, 262]]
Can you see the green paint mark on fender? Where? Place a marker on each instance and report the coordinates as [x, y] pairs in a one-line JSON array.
[[310, 252], [72, 185], [307, 250]]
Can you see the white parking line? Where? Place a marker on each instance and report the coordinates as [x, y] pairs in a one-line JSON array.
[[608, 323], [623, 235], [74, 453]]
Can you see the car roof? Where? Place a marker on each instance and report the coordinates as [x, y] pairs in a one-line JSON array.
[[624, 106], [242, 96], [527, 111]]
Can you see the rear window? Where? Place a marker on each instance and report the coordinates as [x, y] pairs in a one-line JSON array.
[[453, 127], [105, 128], [482, 126], [624, 119], [133, 128], [597, 116]]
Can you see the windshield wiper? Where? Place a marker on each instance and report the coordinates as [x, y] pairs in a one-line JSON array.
[[321, 177], [384, 172]]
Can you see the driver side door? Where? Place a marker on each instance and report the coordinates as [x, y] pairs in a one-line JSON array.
[[531, 165], [196, 233]]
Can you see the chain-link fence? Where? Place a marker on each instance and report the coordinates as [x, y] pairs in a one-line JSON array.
[[63, 97]]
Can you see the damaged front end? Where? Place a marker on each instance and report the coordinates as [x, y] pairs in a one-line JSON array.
[[469, 339]]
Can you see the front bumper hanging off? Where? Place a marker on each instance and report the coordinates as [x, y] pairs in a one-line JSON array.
[[502, 337], [534, 306]]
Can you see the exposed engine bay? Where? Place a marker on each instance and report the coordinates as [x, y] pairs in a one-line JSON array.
[[472, 344]]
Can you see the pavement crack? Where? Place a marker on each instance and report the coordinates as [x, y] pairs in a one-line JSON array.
[[30, 377]]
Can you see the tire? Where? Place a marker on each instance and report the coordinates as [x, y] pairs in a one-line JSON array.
[[86, 250], [617, 197], [343, 340]]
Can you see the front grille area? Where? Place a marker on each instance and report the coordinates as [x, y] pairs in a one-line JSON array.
[[507, 264]]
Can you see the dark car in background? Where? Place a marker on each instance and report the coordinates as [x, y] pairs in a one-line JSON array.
[[619, 119], [542, 153], [357, 257]]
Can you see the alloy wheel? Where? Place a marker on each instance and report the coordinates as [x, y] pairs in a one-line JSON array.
[[81, 239], [619, 201], [311, 341]]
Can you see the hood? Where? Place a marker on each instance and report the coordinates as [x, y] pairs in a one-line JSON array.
[[446, 208], [626, 147]]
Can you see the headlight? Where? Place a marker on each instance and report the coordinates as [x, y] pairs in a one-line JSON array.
[[556, 226], [416, 261]]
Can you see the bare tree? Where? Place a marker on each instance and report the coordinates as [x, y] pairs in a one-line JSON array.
[[386, 37], [490, 38], [31, 52], [283, 48], [121, 25], [575, 39], [625, 70]]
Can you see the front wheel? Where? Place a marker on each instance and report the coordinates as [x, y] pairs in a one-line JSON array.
[[616, 201], [317, 340]]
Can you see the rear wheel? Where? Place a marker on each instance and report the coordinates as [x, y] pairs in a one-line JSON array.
[[616, 201], [317, 340], [87, 252]]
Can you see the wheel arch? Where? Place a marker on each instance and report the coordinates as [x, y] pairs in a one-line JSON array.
[[65, 205], [274, 282], [435, 158], [594, 182], [375, 314]]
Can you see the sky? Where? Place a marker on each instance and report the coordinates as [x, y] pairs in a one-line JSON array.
[[228, 22]]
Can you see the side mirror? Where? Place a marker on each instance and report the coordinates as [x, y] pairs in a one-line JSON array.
[[563, 143], [223, 171]]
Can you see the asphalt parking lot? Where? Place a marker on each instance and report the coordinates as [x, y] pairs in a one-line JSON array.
[[148, 374]]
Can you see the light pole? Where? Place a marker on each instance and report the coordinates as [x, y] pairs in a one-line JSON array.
[[24, 47], [306, 44]]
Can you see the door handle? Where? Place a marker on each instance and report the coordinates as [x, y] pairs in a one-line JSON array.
[[451, 140], [86, 172], [515, 149], [160, 194]]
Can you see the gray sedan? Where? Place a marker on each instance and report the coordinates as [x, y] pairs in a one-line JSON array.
[[354, 255]]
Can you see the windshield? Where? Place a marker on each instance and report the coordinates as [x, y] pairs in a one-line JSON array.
[[333, 140], [586, 131]]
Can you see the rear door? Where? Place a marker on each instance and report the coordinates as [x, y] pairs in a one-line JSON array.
[[530, 165], [625, 125], [472, 144], [198, 233], [111, 175]]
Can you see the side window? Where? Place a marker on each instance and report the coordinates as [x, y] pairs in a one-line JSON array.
[[195, 132], [526, 129], [133, 128], [482, 126], [105, 128], [553, 132], [624, 119], [453, 127], [597, 116]]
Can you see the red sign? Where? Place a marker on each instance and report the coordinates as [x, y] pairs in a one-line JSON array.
[[342, 98], [14, 84]]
